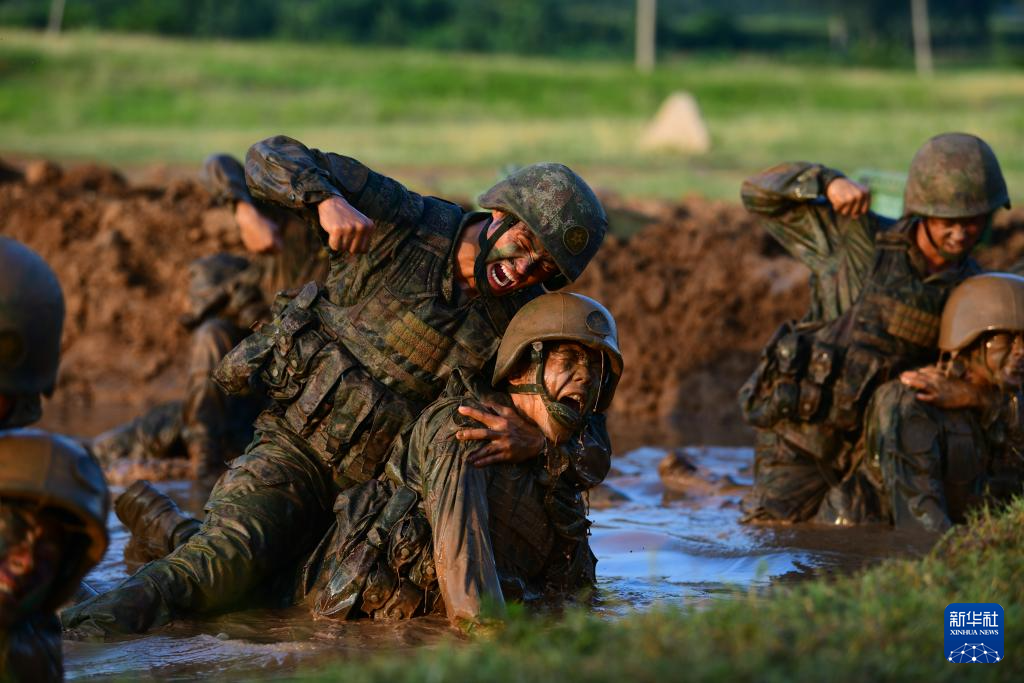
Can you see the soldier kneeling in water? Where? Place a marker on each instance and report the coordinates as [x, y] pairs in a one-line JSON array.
[[949, 437], [53, 500], [453, 522]]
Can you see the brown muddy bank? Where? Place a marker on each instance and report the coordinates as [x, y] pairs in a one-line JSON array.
[[696, 292]]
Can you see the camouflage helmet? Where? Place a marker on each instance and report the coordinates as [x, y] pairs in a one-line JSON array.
[[56, 473], [560, 208], [559, 316], [954, 175], [983, 303], [221, 284], [31, 319]]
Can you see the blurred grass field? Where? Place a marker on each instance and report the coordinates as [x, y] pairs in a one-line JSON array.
[[449, 122]]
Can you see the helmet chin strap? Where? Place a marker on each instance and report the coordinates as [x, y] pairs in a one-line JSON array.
[[483, 283], [562, 414]]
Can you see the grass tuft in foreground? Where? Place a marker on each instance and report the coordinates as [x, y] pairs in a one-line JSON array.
[[884, 624]]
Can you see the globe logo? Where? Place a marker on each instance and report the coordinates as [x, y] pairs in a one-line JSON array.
[[974, 633]]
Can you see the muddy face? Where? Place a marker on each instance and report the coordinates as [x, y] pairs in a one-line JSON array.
[[572, 374], [954, 238], [1002, 359], [30, 550], [517, 259]]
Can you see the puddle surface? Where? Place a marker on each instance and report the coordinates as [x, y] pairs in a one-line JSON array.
[[655, 547]]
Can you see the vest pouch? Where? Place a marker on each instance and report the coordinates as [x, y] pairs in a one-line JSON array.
[[757, 395], [790, 353], [809, 400], [255, 353], [315, 378], [861, 368], [821, 363], [785, 400]]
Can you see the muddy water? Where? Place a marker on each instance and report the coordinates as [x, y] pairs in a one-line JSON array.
[[654, 546]]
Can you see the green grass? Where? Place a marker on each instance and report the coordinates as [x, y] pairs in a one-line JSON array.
[[885, 624], [449, 122]]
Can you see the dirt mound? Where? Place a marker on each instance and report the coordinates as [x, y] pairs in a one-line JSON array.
[[696, 293], [120, 253]]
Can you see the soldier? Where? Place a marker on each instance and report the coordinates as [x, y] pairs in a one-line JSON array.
[[291, 253], [448, 522], [877, 293], [208, 428], [417, 288], [948, 437], [227, 294], [53, 500]]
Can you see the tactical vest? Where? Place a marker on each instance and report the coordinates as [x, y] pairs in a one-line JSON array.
[[813, 382], [349, 366]]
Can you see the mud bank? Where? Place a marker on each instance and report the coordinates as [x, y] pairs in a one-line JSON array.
[[696, 292]]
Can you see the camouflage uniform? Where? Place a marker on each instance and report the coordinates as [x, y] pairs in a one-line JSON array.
[[875, 312], [208, 427], [347, 365], [510, 531], [925, 466], [53, 500]]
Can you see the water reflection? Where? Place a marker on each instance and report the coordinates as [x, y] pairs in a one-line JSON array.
[[654, 546]]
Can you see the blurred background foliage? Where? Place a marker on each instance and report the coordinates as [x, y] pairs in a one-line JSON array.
[[874, 32]]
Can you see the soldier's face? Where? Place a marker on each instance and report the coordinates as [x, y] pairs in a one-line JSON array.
[[517, 260], [30, 551], [572, 375], [955, 237], [1004, 358]]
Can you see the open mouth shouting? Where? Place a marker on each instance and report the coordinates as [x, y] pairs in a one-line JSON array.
[[573, 400], [502, 277]]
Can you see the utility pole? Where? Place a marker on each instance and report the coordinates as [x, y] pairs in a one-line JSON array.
[[646, 24], [922, 37], [56, 17]]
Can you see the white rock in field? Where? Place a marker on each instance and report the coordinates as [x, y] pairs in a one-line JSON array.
[[678, 126]]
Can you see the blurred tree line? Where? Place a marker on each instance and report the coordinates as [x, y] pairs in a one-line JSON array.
[[861, 31]]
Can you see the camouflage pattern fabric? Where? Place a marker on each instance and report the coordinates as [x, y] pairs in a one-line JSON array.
[[560, 208], [437, 526], [302, 258], [925, 467], [875, 312], [347, 368], [955, 175]]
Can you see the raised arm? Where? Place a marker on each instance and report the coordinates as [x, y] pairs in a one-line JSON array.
[[349, 201], [822, 219]]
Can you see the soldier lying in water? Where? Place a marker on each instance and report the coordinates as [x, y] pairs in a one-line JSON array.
[[451, 524], [948, 437]]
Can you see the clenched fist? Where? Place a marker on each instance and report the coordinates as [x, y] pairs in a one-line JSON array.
[[848, 198], [346, 227]]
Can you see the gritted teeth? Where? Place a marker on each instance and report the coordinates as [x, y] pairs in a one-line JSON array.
[[501, 275]]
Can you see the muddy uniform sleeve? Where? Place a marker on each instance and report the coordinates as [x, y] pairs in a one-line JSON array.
[[456, 504], [224, 177], [283, 171], [790, 198]]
